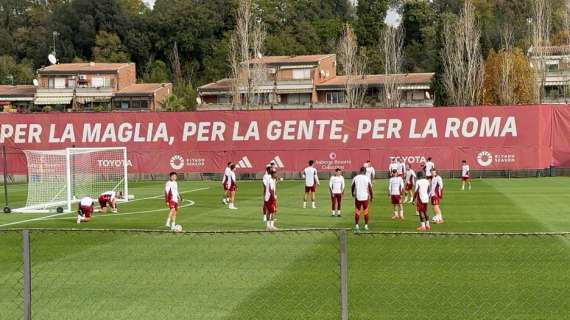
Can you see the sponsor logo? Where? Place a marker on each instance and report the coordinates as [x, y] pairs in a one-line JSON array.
[[485, 158], [332, 155], [333, 162], [277, 162], [113, 163], [177, 162], [244, 163], [410, 159]]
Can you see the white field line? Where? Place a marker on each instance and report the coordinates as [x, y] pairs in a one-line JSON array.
[[64, 213]]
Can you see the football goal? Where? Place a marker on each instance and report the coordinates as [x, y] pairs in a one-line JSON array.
[[59, 178]]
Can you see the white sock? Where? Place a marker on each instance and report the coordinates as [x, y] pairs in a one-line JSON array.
[[427, 223], [334, 212], [168, 222], [338, 212], [423, 224], [401, 213]]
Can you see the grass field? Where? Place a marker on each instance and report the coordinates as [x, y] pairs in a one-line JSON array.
[[295, 275]]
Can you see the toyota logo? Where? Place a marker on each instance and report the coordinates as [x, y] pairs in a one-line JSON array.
[[332, 156], [177, 162], [484, 158]]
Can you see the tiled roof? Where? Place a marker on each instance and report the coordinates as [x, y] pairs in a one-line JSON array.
[[409, 78], [142, 89], [292, 59], [550, 50], [223, 84], [84, 67], [17, 91]]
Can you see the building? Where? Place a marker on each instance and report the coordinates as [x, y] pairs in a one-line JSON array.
[[308, 81], [556, 77], [16, 98], [86, 87]]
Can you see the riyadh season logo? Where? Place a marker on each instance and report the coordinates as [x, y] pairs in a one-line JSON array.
[[484, 158]]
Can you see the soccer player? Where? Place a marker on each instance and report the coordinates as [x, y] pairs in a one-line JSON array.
[[226, 198], [311, 183], [436, 193], [410, 181], [172, 198], [336, 188], [465, 175], [395, 190], [370, 172], [401, 167], [109, 199], [429, 166], [231, 186], [362, 193], [393, 166], [421, 197], [85, 209], [270, 199]]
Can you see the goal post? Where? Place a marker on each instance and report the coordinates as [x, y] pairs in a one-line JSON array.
[[59, 178]]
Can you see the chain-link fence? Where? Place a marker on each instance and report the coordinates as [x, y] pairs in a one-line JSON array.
[[317, 274]]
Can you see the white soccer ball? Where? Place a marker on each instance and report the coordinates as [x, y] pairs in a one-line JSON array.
[[178, 228]]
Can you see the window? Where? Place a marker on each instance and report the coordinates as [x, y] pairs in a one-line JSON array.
[[552, 67], [71, 83], [301, 74], [223, 99], [51, 82], [335, 97], [98, 82], [59, 83], [298, 98]]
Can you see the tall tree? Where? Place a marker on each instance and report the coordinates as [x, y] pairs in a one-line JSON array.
[[368, 25], [353, 66], [392, 42]]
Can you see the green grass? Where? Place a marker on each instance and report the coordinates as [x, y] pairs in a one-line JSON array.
[[141, 275]]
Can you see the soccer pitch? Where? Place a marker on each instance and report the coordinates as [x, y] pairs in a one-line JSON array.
[[295, 275]]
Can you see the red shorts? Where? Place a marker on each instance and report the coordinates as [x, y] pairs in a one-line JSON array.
[[232, 187], [225, 186], [86, 211], [421, 207], [435, 200], [409, 186], [465, 178], [361, 205], [103, 201], [270, 206], [396, 199], [173, 205], [311, 189]]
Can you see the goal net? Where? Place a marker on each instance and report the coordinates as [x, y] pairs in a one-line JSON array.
[[58, 178]]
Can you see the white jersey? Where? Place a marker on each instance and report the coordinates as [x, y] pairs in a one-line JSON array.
[[112, 195], [401, 168], [429, 166], [311, 177], [436, 188], [395, 186], [270, 187], [336, 184], [422, 189], [393, 166], [465, 171], [230, 178], [371, 173], [410, 176], [171, 191], [86, 202], [226, 174], [360, 184]]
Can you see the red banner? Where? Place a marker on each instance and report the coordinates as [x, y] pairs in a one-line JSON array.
[[521, 137]]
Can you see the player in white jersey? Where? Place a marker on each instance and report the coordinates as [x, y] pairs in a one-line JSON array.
[[336, 188], [231, 186], [401, 167], [363, 194], [436, 194], [393, 166], [109, 199], [395, 190], [311, 183], [270, 199], [85, 209], [429, 166], [370, 171], [421, 197], [172, 198], [465, 175], [410, 180], [226, 198], [266, 178]]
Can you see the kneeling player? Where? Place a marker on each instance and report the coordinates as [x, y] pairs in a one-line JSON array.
[[85, 210], [436, 193], [270, 199], [362, 193], [395, 190], [421, 197], [109, 199], [336, 188]]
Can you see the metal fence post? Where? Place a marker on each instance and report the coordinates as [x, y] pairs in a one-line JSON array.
[[27, 270], [343, 276]]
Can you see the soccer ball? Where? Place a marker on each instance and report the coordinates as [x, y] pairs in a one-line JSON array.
[[178, 228]]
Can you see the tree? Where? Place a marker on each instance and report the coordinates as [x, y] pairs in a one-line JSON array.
[[353, 66], [156, 71], [392, 42], [420, 23], [109, 48], [14, 73], [368, 26], [462, 61], [540, 26]]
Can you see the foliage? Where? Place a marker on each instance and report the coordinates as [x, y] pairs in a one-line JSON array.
[[15, 73], [109, 48], [156, 72]]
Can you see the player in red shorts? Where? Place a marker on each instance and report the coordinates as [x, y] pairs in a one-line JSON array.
[[336, 188], [85, 210], [172, 198], [465, 175], [109, 199], [410, 180], [436, 193], [231, 186], [311, 183], [395, 190], [401, 167], [421, 197], [226, 198], [362, 193], [270, 199]]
